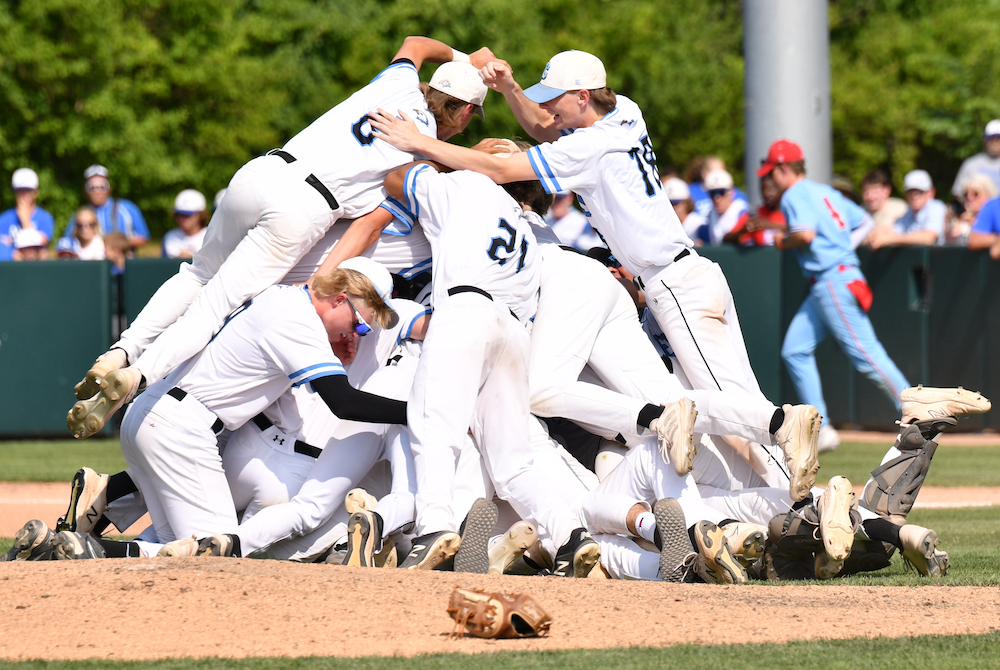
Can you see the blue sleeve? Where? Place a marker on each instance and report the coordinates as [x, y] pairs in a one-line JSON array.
[[790, 210], [400, 212], [988, 221], [70, 227], [138, 222], [44, 222], [410, 188]]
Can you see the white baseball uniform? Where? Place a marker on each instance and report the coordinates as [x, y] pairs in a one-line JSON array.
[[273, 213]]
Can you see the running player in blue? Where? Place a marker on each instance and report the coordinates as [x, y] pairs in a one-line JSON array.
[[824, 228]]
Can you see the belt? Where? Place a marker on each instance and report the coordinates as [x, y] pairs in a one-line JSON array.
[[179, 394], [311, 179], [637, 280], [455, 290], [301, 447]]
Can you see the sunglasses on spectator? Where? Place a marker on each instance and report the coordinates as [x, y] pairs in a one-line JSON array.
[[91, 188], [361, 327], [973, 194], [717, 193], [86, 224]]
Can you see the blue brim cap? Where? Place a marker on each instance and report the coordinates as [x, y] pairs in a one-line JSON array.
[[540, 93]]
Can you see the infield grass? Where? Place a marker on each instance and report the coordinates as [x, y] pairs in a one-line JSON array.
[[57, 460], [939, 652]]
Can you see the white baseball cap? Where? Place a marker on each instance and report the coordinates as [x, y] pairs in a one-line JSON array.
[[218, 198], [28, 237], [379, 277], [24, 178], [992, 128], [568, 71], [95, 171], [189, 201], [677, 189], [917, 180], [461, 81], [717, 179]]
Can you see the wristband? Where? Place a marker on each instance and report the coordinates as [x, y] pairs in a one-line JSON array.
[[459, 57]]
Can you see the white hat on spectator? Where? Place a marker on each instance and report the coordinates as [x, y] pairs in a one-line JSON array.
[[28, 237], [24, 179], [718, 179], [917, 180], [66, 247], [992, 128], [218, 198], [677, 189], [189, 201], [95, 171], [462, 81]]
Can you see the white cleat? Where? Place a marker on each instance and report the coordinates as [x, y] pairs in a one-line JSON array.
[[798, 438], [934, 404], [186, 546], [511, 546], [674, 430], [835, 524], [91, 385], [118, 388], [359, 499], [829, 439], [745, 540], [88, 499], [827, 568], [920, 551]]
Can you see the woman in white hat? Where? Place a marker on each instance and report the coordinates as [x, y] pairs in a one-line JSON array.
[[186, 239]]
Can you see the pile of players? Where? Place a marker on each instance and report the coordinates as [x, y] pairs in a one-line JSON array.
[[381, 356]]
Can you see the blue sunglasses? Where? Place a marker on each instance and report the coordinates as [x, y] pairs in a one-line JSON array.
[[361, 327]]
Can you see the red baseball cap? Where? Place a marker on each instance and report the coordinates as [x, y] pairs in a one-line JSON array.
[[782, 151]]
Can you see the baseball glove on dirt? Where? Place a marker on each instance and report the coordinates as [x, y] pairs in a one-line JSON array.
[[496, 615]]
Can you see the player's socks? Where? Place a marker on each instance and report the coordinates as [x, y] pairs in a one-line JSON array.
[[101, 525], [648, 414], [645, 525], [882, 530], [119, 549], [120, 485], [776, 421]]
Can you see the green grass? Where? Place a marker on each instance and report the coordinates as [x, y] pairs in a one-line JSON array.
[[57, 460], [952, 466], [939, 652]]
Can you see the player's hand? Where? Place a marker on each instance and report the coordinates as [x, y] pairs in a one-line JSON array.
[[496, 145], [401, 132], [481, 57], [995, 250], [346, 348], [499, 76], [880, 237]]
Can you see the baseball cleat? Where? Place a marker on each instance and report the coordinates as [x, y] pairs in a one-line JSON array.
[[33, 542], [798, 437], [71, 546], [217, 545], [745, 540], [182, 548], [87, 417], [88, 498], [672, 539], [473, 552], [93, 382], [431, 550], [920, 551], [359, 499], [933, 404], [578, 556], [511, 546], [825, 567], [388, 557], [715, 562], [364, 531], [829, 439], [337, 554], [674, 430], [835, 524]]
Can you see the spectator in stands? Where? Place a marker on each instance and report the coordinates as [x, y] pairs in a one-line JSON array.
[[876, 191], [979, 190], [985, 163], [86, 238], [923, 223], [679, 195], [761, 229], [66, 249], [696, 173], [25, 214], [986, 231], [117, 248], [571, 225], [728, 217], [113, 214], [186, 239], [30, 245]]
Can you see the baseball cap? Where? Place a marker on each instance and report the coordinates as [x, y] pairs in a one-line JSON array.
[[717, 179], [66, 247], [782, 151], [992, 128], [28, 237], [379, 277], [24, 178], [95, 171], [677, 189], [568, 71], [917, 180], [461, 81], [189, 201]]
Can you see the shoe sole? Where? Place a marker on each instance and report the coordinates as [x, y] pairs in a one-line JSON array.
[[443, 548], [29, 538], [473, 554], [84, 482], [87, 417], [922, 556], [179, 549], [835, 522], [586, 557], [719, 560], [511, 547], [359, 541], [751, 548], [676, 545], [682, 452], [802, 472], [68, 547], [213, 546], [359, 499]]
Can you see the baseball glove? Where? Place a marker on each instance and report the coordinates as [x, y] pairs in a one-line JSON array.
[[496, 615]]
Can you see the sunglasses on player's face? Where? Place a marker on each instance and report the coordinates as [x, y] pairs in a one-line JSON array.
[[717, 193], [361, 327]]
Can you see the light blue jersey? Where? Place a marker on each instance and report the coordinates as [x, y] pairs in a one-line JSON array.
[[808, 205]]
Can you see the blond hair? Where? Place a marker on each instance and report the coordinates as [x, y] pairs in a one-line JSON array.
[[982, 183], [357, 287], [447, 110]]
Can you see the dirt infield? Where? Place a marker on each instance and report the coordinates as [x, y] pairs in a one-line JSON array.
[[160, 608]]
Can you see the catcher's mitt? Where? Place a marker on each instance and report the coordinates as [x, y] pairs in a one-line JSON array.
[[496, 615]]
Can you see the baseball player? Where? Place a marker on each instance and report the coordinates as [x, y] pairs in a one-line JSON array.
[[276, 208], [821, 228]]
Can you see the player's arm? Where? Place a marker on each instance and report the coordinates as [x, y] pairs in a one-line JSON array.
[[359, 236], [800, 238], [350, 404], [419, 50], [733, 236], [402, 133], [979, 241], [538, 123]]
